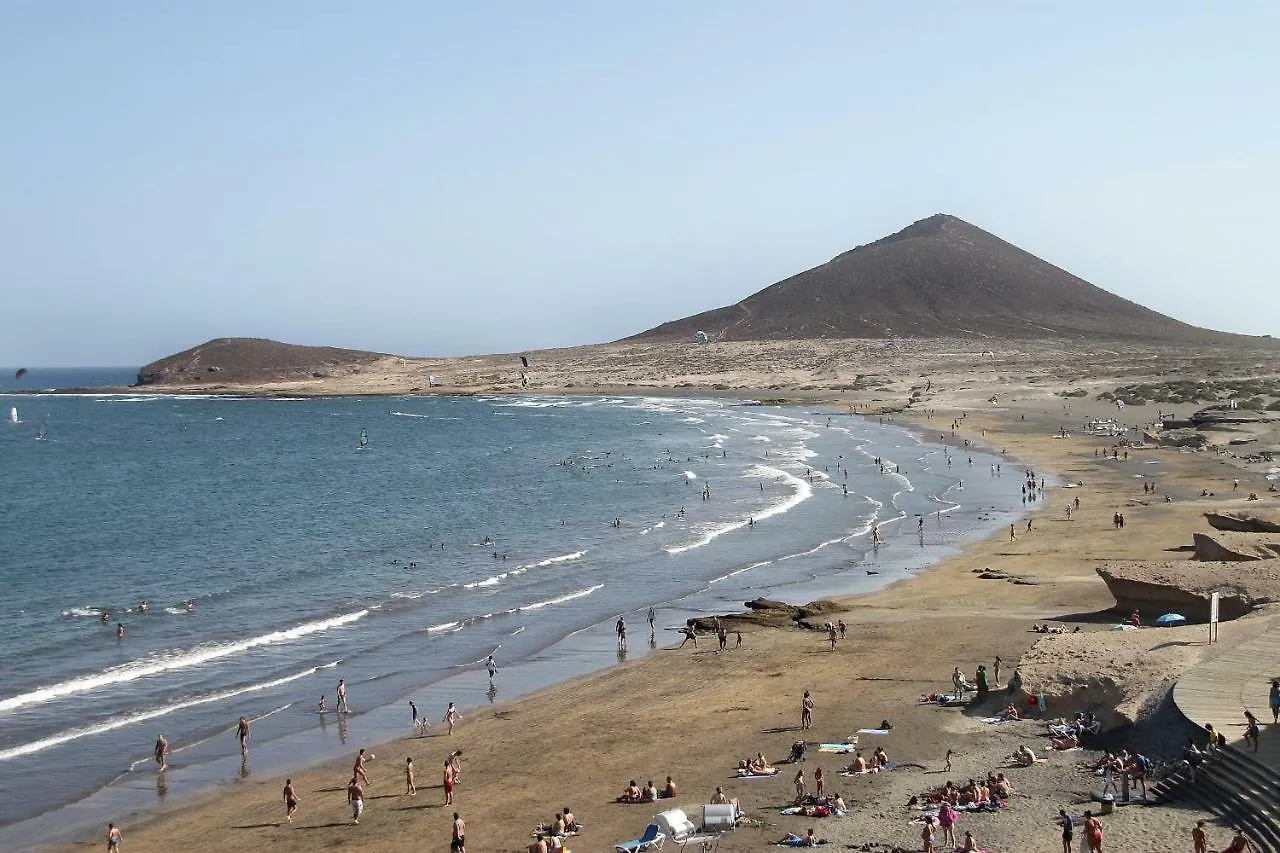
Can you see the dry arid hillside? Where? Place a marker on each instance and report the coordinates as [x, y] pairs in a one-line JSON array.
[[940, 277]]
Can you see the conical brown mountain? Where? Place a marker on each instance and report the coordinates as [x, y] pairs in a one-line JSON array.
[[940, 277]]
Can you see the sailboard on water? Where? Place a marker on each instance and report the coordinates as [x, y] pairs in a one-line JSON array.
[[42, 433], [13, 415], [364, 440]]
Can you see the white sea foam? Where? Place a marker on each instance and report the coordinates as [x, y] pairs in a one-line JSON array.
[[120, 722], [690, 475], [168, 663], [82, 611], [538, 605], [737, 572], [563, 558], [445, 627], [802, 492]]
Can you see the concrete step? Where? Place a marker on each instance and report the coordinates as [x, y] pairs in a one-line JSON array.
[[1208, 792]]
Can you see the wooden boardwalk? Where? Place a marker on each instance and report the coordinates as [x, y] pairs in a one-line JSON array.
[[1219, 691]]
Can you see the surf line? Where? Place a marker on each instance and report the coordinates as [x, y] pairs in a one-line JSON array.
[[143, 716], [802, 491], [142, 669]]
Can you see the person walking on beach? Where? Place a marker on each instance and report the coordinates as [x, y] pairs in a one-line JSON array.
[[1199, 838], [290, 800], [458, 843], [409, 787], [800, 787], [358, 768], [342, 697], [413, 714], [831, 635], [1068, 829], [114, 837], [451, 717], [448, 782], [1274, 700], [651, 618], [1013, 535], [995, 670], [689, 634], [355, 796], [1093, 832], [242, 734], [162, 753], [806, 711], [492, 666], [947, 821], [1251, 730], [621, 630], [950, 754]]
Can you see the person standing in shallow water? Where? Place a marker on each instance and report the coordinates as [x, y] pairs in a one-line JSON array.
[[242, 734]]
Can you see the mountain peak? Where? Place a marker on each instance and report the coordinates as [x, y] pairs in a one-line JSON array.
[[938, 277]]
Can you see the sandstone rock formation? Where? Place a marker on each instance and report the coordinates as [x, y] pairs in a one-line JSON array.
[[1246, 520], [1185, 586], [1234, 547]]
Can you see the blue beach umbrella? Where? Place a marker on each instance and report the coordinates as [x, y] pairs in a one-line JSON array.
[[1171, 619]]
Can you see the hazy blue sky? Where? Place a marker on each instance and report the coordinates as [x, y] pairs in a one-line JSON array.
[[429, 178]]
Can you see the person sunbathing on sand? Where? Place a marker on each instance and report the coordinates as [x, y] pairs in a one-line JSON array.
[[1003, 788], [670, 790], [1069, 741], [631, 794], [880, 757], [1023, 756], [859, 764], [758, 765], [1010, 713], [970, 843], [649, 792]]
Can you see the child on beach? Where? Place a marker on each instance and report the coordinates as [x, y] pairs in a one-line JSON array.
[[1199, 838], [947, 769]]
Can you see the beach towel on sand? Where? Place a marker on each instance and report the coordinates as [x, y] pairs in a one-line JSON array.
[[747, 774], [837, 748], [799, 842], [873, 731]]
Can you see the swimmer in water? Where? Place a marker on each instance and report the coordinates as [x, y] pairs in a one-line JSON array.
[[119, 630], [191, 605], [143, 607], [106, 619]]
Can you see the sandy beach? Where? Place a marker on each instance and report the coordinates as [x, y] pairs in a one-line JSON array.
[[692, 714]]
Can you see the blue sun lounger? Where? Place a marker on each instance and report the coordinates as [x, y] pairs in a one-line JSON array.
[[651, 840]]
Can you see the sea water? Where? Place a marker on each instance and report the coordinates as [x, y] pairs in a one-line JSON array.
[[518, 527]]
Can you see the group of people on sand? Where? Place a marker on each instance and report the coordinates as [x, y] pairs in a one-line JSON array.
[[1046, 628], [879, 761], [934, 825], [551, 836], [649, 793]]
